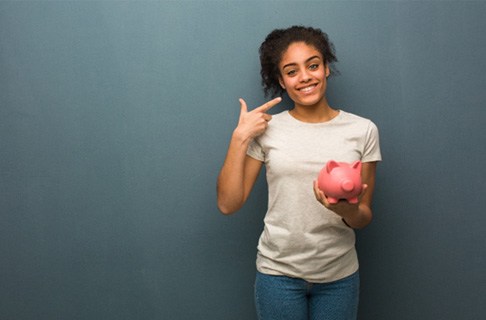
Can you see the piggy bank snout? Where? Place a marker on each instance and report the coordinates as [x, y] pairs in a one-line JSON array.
[[347, 185]]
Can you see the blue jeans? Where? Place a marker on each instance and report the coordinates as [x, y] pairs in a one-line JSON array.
[[281, 298]]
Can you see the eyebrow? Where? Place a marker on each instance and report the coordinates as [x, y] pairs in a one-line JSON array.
[[294, 64]]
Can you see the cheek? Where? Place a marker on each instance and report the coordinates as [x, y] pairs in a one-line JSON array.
[[286, 83]]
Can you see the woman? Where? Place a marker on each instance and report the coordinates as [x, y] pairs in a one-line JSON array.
[[307, 266]]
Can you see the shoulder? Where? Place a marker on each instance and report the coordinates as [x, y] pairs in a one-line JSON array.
[[354, 119], [281, 119], [348, 116], [281, 116]]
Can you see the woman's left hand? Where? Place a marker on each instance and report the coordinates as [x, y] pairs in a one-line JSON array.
[[342, 208], [357, 215]]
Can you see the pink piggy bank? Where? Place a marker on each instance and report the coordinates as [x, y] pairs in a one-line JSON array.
[[340, 180]]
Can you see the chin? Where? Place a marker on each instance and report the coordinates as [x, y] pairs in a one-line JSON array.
[[309, 102]]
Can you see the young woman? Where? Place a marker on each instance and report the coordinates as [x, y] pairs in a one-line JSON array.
[[307, 267]]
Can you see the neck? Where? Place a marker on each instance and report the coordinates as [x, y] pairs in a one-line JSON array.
[[314, 114]]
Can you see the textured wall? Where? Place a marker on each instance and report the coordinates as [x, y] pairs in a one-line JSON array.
[[115, 118]]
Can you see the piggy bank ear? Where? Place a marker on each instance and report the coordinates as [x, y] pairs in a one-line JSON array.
[[356, 165], [331, 164]]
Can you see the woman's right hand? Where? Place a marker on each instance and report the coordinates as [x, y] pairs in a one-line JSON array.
[[254, 123], [240, 171]]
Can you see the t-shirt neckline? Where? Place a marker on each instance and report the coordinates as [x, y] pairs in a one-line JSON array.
[[336, 118]]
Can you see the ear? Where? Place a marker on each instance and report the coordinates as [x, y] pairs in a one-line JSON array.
[[280, 80], [327, 71], [331, 164]]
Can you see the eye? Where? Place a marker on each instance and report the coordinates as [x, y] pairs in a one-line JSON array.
[[314, 66], [291, 73]]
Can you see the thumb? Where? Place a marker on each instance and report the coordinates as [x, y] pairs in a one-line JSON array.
[[244, 107]]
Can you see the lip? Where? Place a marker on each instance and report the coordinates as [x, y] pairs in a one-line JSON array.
[[308, 89]]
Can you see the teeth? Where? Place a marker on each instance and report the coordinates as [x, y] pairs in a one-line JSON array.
[[307, 89]]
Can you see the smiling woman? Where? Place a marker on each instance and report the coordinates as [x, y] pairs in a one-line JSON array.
[[304, 76], [306, 261]]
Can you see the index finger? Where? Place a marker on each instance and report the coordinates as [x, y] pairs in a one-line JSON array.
[[266, 106]]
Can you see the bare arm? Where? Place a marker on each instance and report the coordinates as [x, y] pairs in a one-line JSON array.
[[359, 215], [239, 171]]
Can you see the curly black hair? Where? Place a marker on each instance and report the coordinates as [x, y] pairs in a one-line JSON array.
[[277, 42]]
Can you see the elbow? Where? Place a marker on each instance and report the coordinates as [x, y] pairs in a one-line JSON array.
[[228, 203], [225, 209]]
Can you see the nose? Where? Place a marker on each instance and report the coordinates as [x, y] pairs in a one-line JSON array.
[[304, 76]]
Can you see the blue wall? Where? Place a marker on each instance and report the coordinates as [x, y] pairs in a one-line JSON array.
[[114, 122]]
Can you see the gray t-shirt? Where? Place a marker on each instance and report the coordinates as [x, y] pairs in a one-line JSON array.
[[302, 238]]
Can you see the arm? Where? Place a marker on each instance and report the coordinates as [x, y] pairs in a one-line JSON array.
[[359, 215], [239, 171], [237, 177]]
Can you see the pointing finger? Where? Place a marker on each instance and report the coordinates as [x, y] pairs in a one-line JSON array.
[[265, 107]]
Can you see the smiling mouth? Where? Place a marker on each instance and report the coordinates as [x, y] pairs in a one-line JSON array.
[[308, 89]]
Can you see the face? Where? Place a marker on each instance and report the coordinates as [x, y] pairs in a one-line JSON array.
[[303, 74]]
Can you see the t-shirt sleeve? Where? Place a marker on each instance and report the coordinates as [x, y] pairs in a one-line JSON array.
[[255, 151], [371, 150]]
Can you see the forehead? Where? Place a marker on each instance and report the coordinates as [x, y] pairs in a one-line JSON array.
[[298, 52]]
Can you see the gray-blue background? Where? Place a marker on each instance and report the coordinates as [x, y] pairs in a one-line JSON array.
[[114, 122]]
